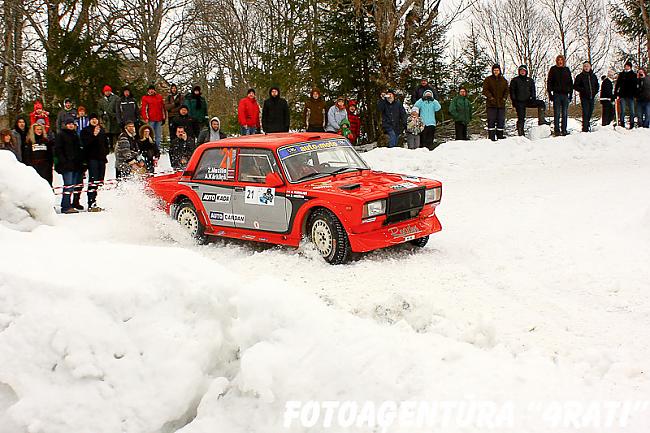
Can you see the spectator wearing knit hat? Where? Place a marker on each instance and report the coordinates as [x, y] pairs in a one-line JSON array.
[[106, 106], [198, 110], [126, 109], [183, 119], [154, 113], [355, 121], [248, 114], [69, 163], [314, 115], [39, 115], [275, 112]]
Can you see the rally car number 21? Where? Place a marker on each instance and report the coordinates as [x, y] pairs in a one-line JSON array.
[[277, 188]]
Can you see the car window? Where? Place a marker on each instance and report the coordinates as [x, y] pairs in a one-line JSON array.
[[335, 157], [255, 164], [217, 164]]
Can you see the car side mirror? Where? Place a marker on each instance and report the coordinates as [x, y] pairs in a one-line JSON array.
[[273, 180]]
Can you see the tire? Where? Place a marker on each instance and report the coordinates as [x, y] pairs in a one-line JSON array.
[[420, 242], [329, 237], [187, 216]]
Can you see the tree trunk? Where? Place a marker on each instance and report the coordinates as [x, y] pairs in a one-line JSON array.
[[646, 23], [13, 56]]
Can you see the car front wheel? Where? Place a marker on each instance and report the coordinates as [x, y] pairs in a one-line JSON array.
[[188, 218], [329, 237]]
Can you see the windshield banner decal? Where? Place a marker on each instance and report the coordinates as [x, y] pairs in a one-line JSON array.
[[295, 149]]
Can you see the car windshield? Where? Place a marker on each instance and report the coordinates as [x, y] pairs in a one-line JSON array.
[[316, 159]]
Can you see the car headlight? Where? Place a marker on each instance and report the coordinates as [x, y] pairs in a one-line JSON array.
[[433, 195], [374, 208]]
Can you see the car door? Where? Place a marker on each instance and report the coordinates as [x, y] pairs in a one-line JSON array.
[[263, 207], [213, 182]]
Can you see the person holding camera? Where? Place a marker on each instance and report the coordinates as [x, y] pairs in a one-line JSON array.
[[181, 149]]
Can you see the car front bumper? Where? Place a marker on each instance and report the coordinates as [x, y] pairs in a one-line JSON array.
[[394, 234]]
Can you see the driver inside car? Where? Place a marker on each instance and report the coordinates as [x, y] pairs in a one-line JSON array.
[[299, 166]]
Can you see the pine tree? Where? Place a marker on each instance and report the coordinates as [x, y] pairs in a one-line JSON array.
[[471, 68], [431, 62], [632, 21]]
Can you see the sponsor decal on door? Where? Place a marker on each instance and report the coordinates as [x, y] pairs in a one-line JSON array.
[[220, 216], [216, 198]]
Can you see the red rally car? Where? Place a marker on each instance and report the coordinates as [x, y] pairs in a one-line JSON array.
[[276, 188]]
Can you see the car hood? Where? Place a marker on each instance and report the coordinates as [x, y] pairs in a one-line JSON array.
[[367, 183]]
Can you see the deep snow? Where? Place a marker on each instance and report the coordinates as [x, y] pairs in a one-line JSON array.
[[535, 290]]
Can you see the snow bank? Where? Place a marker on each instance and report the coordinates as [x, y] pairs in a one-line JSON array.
[[535, 291], [165, 339], [26, 199]]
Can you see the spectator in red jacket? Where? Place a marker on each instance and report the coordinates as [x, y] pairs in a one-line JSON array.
[[355, 121], [153, 112], [40, 116], [248, 114]]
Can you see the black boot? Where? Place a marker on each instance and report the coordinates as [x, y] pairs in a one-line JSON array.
[[492, 134], [75, 202], [541, 117], [500, 135], [520, 131]]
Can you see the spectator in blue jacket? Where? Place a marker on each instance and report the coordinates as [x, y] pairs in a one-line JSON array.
[[393, 116], [335, 115], [428, 107]]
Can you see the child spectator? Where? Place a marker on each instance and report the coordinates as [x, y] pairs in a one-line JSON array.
[[82, 120], [428, 106], [40, 116], [355, 121], [461, 111], [414, 128]]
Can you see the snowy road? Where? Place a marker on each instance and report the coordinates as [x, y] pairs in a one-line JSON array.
[[537, 288]]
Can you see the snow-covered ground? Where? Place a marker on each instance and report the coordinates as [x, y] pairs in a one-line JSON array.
[[535, 294]]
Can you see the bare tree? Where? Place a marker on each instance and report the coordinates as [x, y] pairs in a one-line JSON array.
[[564, 22], [399, 25], [153, 31], [593, 31], [11, 78], [489, 25], [528, 38]]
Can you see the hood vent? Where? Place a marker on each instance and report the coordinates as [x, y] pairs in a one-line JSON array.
[[350, 187]]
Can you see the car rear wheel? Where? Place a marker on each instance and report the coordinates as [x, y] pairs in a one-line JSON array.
[[329, 237], [420, 242], [188, 218]]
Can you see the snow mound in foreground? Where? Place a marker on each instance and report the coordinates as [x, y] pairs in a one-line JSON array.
[[25, 198], [167, 340]]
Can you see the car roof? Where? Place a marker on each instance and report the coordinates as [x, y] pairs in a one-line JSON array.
[[271, 141]]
